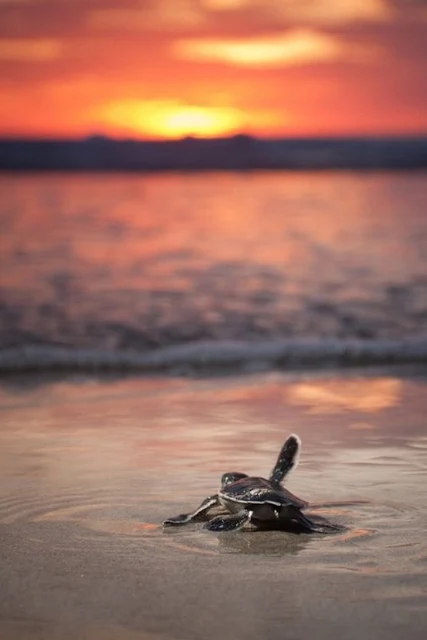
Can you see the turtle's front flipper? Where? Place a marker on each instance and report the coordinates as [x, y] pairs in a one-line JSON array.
[[185, 518], [287, 460], [229, 523]]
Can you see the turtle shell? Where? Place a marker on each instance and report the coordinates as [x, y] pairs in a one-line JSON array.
[[260, 491]]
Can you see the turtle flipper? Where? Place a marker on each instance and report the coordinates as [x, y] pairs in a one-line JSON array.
[[287, 460], [185, 518], [229, 523], [298, 522]]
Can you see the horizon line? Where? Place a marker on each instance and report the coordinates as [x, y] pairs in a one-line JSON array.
[[195, 138]]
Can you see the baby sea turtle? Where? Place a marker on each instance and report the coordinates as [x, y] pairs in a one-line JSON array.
[[266, 504]]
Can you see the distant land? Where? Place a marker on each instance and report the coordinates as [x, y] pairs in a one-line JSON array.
[[236, 153]]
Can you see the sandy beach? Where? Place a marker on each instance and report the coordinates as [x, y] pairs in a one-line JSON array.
[[89, 469]]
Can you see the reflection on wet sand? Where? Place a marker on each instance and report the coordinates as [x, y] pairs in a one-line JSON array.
[[21, 629], [89, 471], [369, 396], [258, 543]]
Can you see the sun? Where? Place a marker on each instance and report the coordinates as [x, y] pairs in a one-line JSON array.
[[170, 119], [198, 121]]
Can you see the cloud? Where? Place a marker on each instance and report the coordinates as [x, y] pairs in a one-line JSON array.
[[229, 16], [295, 47], [220, 15], [309, 12], [163, 14], [30, 50], [335, 11], [224, 5]]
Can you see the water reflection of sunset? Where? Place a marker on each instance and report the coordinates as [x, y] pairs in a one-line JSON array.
[[336, 396], [210, 67]]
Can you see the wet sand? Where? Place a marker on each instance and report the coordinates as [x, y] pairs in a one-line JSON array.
[[89, 469]]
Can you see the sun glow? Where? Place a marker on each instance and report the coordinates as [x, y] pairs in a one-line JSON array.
[[171, 119]]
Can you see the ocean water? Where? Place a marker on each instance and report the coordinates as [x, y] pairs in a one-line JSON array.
[[207, 271]]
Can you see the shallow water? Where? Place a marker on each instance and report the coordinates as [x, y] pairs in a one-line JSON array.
[[88, 471]]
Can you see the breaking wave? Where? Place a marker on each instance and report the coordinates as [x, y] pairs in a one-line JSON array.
[[210, 357]]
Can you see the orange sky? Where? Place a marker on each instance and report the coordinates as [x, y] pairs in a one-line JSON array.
[[170, 68]]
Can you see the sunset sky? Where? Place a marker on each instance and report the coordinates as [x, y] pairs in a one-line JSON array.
[[170, 68]]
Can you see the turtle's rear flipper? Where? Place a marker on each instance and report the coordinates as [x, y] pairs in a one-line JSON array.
[[229, 523], [287, 460], [185, 518], [300, 523]]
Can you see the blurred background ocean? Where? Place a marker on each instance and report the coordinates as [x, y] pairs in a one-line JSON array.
[[253, 268]]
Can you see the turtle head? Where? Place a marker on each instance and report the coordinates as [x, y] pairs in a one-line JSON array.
[[231, 477]]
